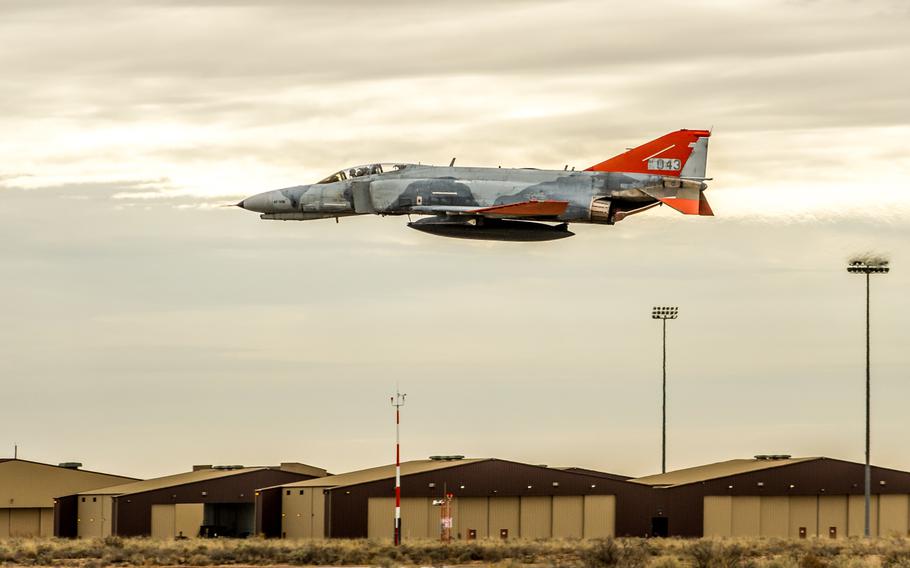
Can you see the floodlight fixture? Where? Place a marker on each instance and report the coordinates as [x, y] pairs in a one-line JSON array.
[[664, 313], [868, 266]]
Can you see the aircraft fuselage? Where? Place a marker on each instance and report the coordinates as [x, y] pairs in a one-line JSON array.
[[593, 197], [506, 203]]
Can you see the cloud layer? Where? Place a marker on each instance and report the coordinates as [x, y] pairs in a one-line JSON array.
[[131, 299]]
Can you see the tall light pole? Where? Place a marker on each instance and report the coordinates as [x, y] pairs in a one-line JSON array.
[[868, 267], [397, 402], [664, 313]]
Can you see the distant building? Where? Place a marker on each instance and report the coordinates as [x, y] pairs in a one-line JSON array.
[[768, 496], [491, 498], [208, 501], [27, 491], [776, 496]]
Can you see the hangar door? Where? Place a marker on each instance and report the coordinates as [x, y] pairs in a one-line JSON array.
[[894, 515], [381, 517], [472, 517], [26, 522], [419, 518], [588, 516], [535, 517], [824, 516], [93, 519], [600, 516], [21, 522], [505, 516], [568, 516], [303, 513], [182, 519]]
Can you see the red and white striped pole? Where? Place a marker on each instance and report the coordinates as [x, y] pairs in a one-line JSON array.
[[398, 402]]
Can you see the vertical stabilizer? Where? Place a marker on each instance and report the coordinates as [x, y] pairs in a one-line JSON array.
[[697, 163], [678, 154]]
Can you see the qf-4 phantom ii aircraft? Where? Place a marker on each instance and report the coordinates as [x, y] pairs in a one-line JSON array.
[[506, 204]]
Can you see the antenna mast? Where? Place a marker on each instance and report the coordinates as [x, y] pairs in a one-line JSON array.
[[398, 402]]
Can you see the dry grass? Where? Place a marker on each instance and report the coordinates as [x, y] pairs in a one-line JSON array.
[[631, 553]]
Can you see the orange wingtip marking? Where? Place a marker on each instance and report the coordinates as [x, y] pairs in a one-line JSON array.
[[542, 208], [685, 206]]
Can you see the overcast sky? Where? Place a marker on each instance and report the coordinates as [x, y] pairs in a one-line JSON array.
[[146, 329]]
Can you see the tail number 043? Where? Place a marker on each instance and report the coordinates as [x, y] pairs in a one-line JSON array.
[[664, 164]]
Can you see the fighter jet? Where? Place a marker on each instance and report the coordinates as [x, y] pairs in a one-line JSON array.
[[507, 204]]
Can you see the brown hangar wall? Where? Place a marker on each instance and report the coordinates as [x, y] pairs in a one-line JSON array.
[[347, 508], [28, 492], [65, 516], [683, 505], [268, 512], [132, 514]]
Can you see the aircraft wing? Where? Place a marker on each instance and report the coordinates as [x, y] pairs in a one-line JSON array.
[[523, 209]]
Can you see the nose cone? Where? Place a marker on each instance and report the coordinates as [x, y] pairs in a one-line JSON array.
[[260, 203]]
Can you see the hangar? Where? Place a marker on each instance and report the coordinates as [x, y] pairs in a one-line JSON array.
[[208, 501], [491, 498], [27, 491], [776, 496]]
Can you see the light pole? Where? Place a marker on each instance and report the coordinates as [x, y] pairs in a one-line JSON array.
[[397, 402], [664, 313], [868, 267]]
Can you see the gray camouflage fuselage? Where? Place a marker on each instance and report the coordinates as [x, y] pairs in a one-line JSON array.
[[593, 197]]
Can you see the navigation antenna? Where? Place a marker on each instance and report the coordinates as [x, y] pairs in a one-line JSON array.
[[445, 515], [397, 402]]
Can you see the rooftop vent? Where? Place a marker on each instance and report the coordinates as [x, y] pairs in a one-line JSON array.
[[446, 458], [772, 457], [227, 467], [71, 465]]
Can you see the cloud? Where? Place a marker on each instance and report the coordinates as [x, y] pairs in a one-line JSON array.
[[222, 100], [128, 122]]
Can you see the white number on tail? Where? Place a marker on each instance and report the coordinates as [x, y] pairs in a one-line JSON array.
[[664, 164]]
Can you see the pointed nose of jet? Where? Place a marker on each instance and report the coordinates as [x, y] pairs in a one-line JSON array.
[[259, 203]]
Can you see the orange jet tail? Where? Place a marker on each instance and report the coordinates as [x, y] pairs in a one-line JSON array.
[[678, 154]]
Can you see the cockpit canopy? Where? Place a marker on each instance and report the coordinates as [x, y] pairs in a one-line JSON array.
[[360, 171]]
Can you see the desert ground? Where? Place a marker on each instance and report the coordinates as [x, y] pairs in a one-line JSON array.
[[634, 553]]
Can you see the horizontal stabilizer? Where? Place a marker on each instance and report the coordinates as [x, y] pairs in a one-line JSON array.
[[698, 206], [687, 197], [704, 208]]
